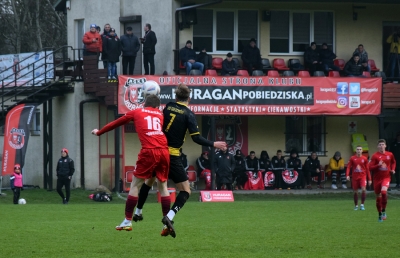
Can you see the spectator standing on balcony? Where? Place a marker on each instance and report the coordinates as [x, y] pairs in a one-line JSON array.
[[130, 46], [92, 41], [395, 149], [326, 57], [311, 58], [312, 168], [204, 58], [224, 165], [149, 42], [394, 41], [113, 51], [229, 67], [251, 57], [188, 58], [336, 165], [104, 35], [363, 57], [353, 67]]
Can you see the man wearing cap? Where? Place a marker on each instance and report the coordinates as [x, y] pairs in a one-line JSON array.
[[395, 149], [130, 46], [65, 170], [188, 58], [229, 67], [251, 57], [93, 42], [326, 57], [336, 165]]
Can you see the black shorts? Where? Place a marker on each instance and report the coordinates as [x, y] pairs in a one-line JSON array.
[[177, 172]]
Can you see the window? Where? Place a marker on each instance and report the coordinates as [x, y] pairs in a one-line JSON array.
[[291, 32], [224, 31], [79, 32], [305, 134], [35, 123]]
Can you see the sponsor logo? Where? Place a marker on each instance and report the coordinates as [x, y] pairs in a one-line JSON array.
[[354, 88], [207, 196], [354, 102], [342, 88], [133, 97], [341, 102]]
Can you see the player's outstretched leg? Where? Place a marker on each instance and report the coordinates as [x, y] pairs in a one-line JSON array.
[[168, 228], [129, 206]]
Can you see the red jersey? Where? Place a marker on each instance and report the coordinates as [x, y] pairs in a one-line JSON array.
[[148, 124], [382, 172], [360, 168]]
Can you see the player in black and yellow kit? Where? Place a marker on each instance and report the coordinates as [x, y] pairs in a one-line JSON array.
[[178, 119]]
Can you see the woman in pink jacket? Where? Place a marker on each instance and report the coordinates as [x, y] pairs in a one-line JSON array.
[[16, 182]]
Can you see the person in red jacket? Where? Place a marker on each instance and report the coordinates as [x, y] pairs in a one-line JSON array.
[[93, 42], [382, 164], [359, 165], [16, 182]]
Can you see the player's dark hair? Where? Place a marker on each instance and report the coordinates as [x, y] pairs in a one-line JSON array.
[[182, 92], [278, 151], [152, 101], [252, 152], [381, 140]]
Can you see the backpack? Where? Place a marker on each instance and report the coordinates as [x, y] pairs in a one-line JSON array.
[[102, 197]]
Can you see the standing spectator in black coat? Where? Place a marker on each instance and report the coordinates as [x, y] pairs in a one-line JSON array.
[[229, 67], [252, 164], [353, 67], [395, 149], [251, 57], [65, 169], [130, 46], [240, 170], [312, 168], [104, 35], [311, 58], [113, 51], [326, 57], [204, 58], [294, 163], [149, 42], [224, 165]]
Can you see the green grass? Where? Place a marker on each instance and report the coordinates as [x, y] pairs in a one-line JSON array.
[[252, 226]]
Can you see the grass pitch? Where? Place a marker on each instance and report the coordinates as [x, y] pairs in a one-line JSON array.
[[252, 226]]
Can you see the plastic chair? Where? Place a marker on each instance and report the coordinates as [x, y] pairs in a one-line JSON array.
[[304, 74], [237, 61], [367, 74], [195, 72], [381, 74], [273, 73], [288, 73], [339, 63], [372, 64], [319, 74], [266, 65], [292, 63], [192, 175], [217, 63], [242, 73], [334, 74], [279, 64], [258, 73], [211, 72]]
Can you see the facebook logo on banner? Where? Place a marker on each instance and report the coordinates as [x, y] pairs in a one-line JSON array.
[[354, 88], [342, 88]]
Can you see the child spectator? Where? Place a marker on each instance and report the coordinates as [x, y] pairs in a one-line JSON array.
[[16, 182]]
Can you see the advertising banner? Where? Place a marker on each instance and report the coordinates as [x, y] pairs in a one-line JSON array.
[[216, 196], [236, 95]]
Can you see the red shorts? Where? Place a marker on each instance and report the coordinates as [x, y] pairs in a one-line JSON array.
[[358, 183], [152, 162], [378, 184]]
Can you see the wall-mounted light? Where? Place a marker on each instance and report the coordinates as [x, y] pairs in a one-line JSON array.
[[68, 4], [355, 14]]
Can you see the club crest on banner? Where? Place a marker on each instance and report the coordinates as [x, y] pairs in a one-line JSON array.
[[133, 96], [269, 179], [290, 176], [16, 138]]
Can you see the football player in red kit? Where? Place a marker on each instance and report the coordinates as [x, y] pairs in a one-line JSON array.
[[152, 158], [360, 174], [381, 165]]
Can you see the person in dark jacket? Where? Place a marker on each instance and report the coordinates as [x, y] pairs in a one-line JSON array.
[[395, 149], [204, 58], [312, 168], [65, 169], [252, 164], [229, 67], [326, 57], [203, 168], [224, 165], [311, 58], [294, 163], [278, 165], [239, 173], [363, 57], [149, 42], [353, 67], [265, 163], [104, 35], [251, 57], [113, 51], [187, 55], [130, 46]]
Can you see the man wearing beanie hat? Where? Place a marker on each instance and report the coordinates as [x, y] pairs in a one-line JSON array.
[[188, 58], [65, 169], [336, 166], [93, 42], [251, 57], [229, 67], [354, 67]]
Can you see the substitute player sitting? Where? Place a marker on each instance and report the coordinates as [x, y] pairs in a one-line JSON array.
[[359, 165], [152, 158], [381, 165]]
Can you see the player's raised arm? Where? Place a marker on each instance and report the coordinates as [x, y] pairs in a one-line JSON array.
[[112, 125]]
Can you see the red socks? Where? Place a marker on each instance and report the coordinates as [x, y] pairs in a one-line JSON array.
[[165, 204], [363, 195], [129, 206], [379, 204], [384, 200], [356, 199]]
